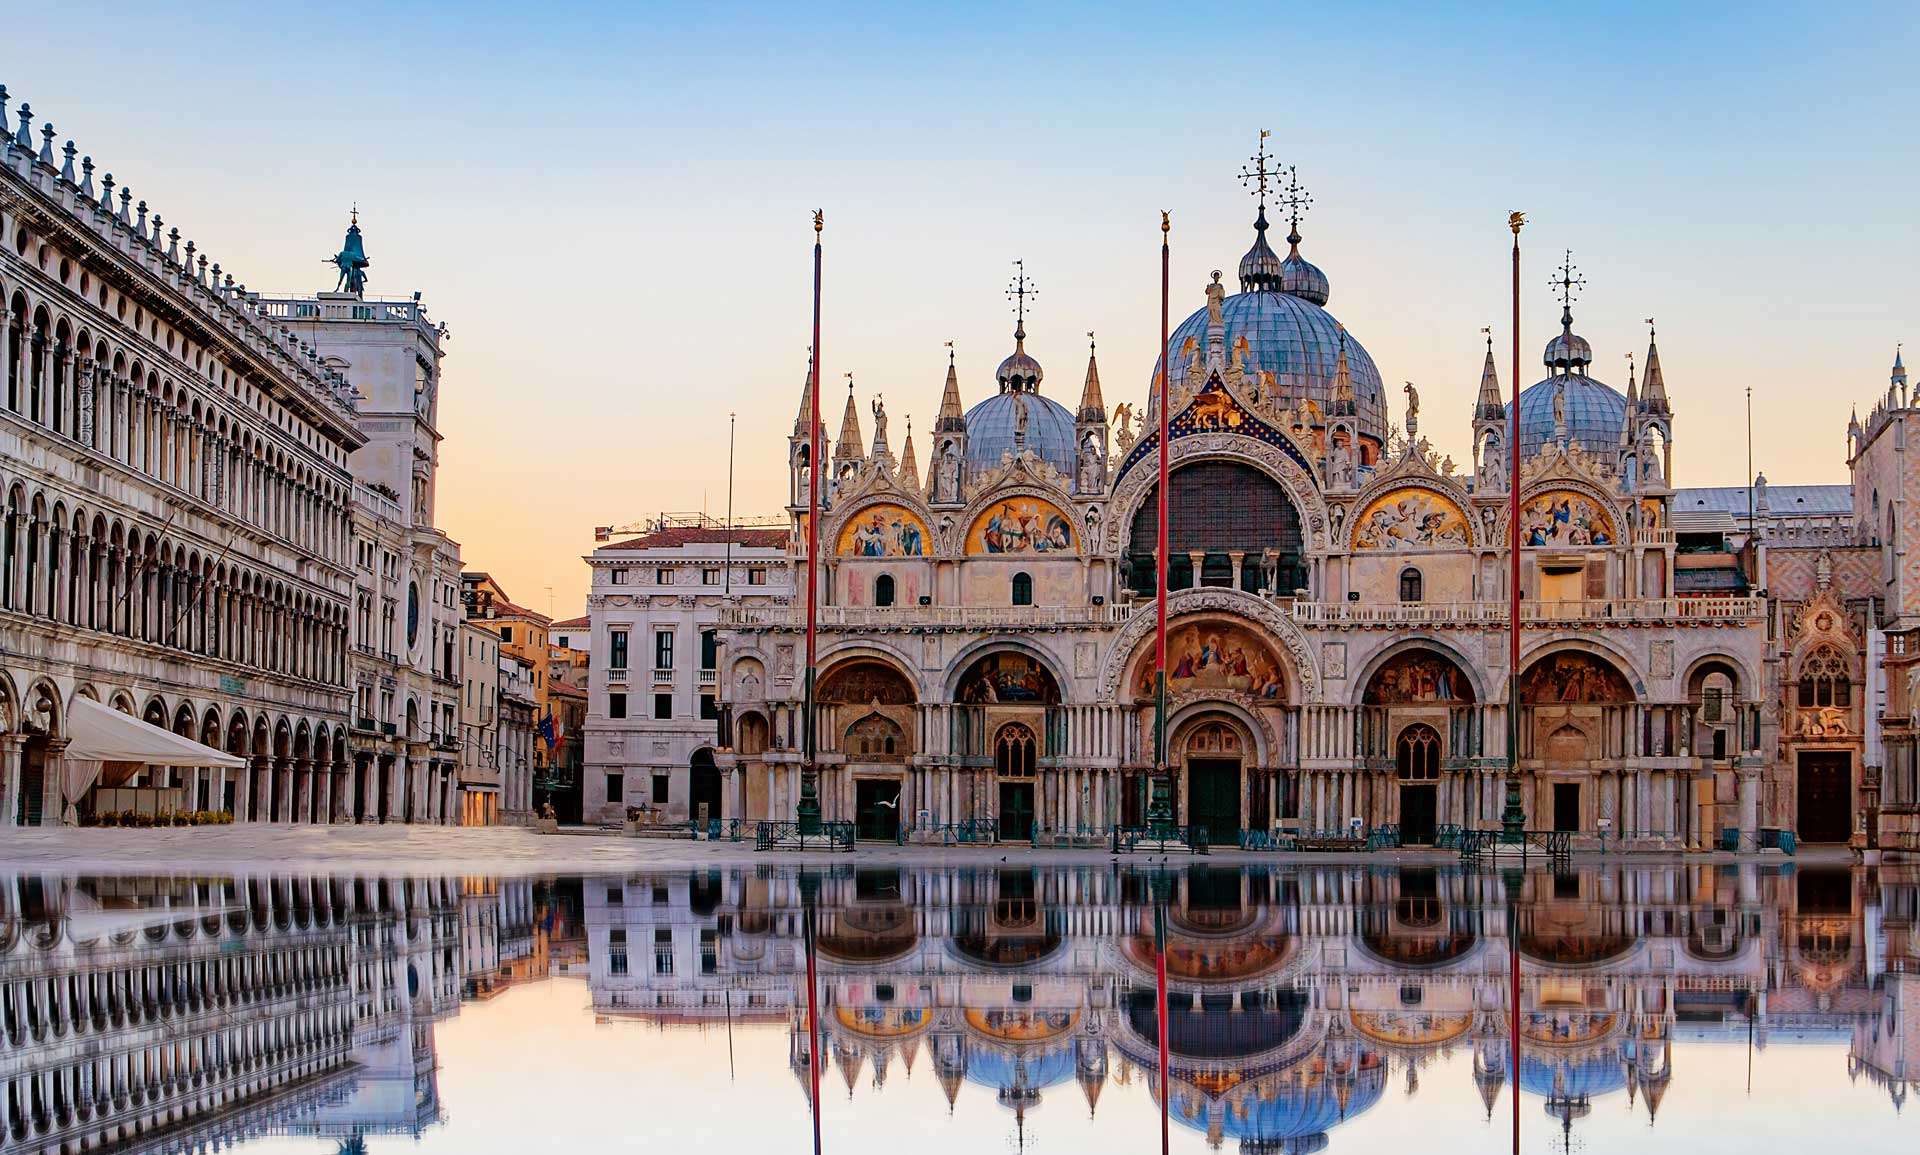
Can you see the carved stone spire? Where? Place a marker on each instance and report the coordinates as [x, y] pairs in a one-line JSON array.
[[1653, 397], [1489, 406], [849, 447], [952, 419], [806, 401], [1092, 408], [909, 476], [1633, 406]]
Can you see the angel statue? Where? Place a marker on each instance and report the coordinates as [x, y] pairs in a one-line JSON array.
[[1123, 417], [1413, 401], [879, 422]]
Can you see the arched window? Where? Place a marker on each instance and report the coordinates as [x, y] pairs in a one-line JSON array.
[[883, 590], [1013, 751], [1417, 756], [875, 736], [1824, 680], [1022, 589], [1410, 584]]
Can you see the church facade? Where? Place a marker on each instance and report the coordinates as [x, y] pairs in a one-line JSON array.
[[1337, 637]]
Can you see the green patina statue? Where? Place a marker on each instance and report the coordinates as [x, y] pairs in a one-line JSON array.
[[351, 260]]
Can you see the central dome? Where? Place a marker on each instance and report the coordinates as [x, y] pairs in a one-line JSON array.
[[991, 425], [1299, 343], [1595, 413]]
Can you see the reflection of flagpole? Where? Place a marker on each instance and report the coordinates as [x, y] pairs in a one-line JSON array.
[[807, 888], [1160, 995], [1160, 805], [808, 810]]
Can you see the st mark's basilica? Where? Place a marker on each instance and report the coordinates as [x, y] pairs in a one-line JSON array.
[[1337, 622]]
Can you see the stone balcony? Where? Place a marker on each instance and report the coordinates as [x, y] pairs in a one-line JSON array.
[[1738, 611], [882, 618]]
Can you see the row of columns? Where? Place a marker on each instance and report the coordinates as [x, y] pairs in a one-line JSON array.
[[126, 418], [53, 572]]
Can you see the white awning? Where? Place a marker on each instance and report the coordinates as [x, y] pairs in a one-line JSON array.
[[104, 734]]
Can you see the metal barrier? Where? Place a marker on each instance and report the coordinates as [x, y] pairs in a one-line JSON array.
[[1161, 838], [834, 835], [1385, 836], [1549, 844], [971, 832]]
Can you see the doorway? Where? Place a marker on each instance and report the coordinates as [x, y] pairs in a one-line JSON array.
[[1419, 813], [1566, 807], [1016, 811], [1825, 795], [33, 783], [1416, 759], [1213, 798], [876, 809], [703, 788]]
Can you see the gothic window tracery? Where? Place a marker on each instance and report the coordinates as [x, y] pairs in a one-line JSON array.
[[1824, 680], [1013, 751]]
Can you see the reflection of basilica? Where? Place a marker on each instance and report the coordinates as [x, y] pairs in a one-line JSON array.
[[1294, 998], [188, 1013], [1338, 604]]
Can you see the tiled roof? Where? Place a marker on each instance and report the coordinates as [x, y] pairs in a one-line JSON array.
[[1782, 500], [502, 608], [571, 624], [678, 536]]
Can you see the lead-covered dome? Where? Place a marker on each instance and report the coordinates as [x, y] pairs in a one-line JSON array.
[[1595, 411], [1299, 343], [991, 425]]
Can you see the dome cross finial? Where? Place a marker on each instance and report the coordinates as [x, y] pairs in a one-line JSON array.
[[1254, 174], [1567, 281], [1018, 292], [1298, 201]]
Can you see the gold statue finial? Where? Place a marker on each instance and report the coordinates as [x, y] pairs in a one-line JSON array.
[[1166, 222], [355, 214], [1515, 220], [819, 221], [1089, 340]]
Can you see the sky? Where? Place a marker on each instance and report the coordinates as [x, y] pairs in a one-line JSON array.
[[610, 207], [531, 1070]]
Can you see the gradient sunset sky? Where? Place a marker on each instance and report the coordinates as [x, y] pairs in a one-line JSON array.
[[609, 205]]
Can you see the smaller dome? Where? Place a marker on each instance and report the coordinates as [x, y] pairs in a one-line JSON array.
[[1019, 372], [1260, 269], [1302, 277], [1569, 350]]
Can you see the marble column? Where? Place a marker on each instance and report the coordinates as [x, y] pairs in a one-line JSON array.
[[10, 757]]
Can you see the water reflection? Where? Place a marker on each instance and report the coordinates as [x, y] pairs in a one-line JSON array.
[[187, 1014]]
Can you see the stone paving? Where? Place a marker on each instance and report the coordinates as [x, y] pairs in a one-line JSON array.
[[505, 850]]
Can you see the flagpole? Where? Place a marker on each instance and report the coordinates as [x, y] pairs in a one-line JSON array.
[[808, 811], [1160, 805], [1513, 819], [726, 582]]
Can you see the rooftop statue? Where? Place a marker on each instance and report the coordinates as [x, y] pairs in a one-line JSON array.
[[351, 260]]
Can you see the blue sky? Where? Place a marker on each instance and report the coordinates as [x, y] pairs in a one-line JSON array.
[[609, 205]]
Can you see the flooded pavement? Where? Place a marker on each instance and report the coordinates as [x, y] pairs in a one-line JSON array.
[[1327, 1008]]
